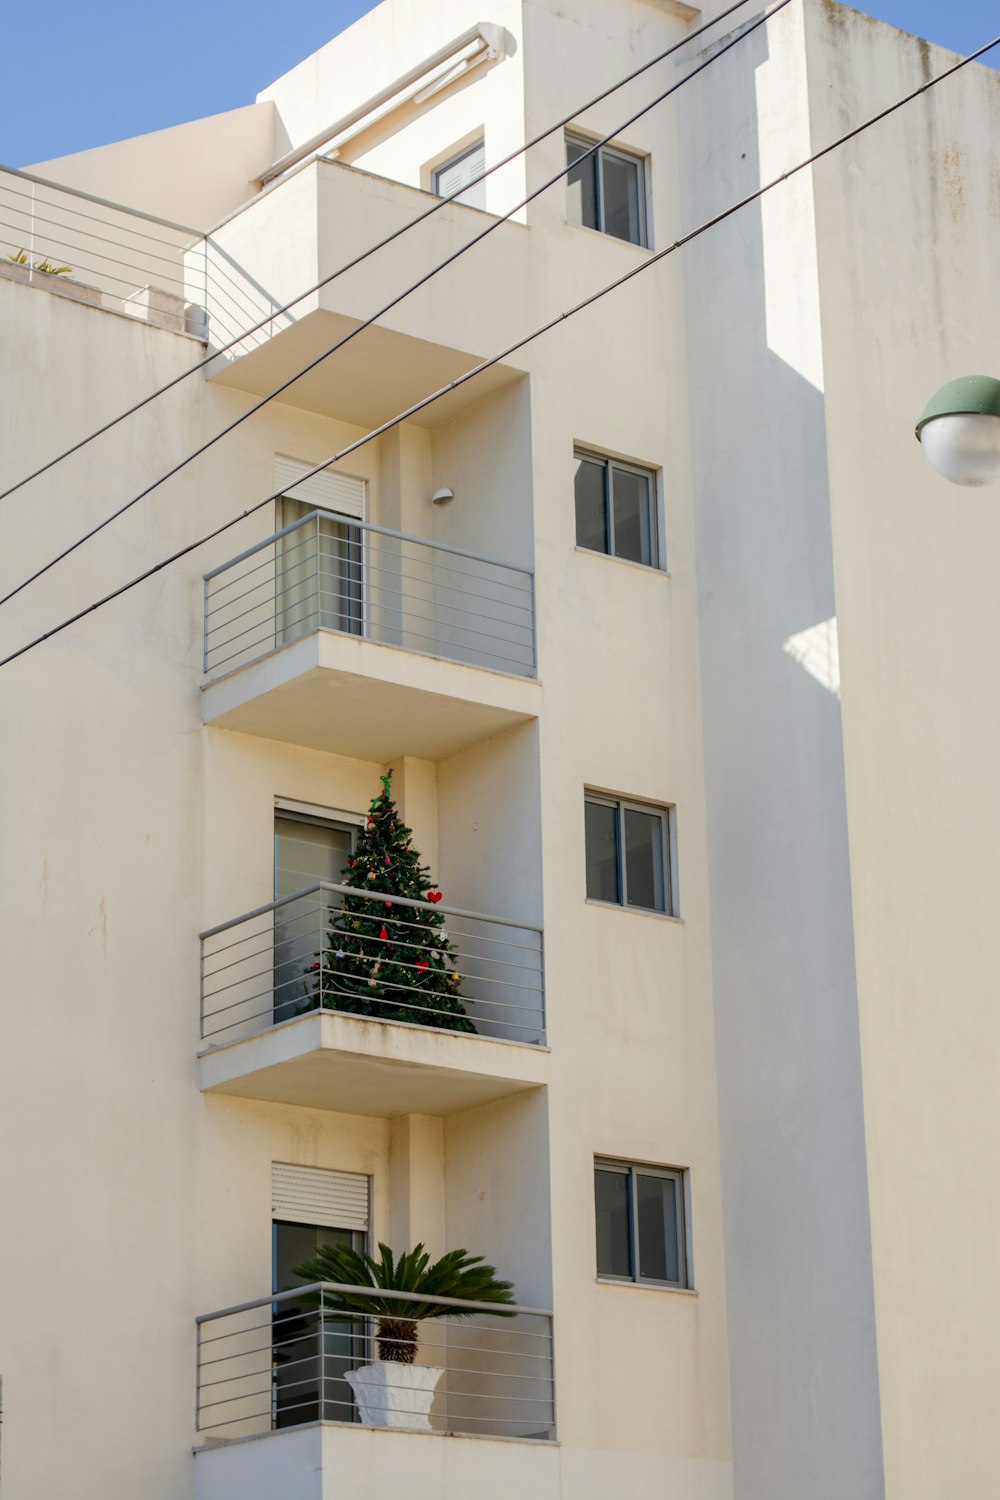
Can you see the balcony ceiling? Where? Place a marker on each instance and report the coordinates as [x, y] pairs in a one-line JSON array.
[[378, 375], [354, 697]]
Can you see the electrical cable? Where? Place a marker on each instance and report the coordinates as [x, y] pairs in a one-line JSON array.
[[546, 327], [372, 249], [368, 322]]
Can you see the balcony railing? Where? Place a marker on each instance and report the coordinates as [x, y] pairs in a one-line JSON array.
[[283, 1360], [105, 254], [302, 954], [322, 573]]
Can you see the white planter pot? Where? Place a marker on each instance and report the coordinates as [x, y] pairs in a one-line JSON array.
[[394, 1395]]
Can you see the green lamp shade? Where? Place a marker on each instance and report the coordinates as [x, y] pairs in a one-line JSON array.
[[959, 430]]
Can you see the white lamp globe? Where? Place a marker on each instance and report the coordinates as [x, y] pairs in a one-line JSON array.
[[959, 430]]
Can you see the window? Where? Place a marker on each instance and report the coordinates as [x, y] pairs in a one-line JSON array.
[[606, 190], [307, 848], [629, 854], [641, 1234], [320, 564], [455, 173], [616, 509], [311, 1207]]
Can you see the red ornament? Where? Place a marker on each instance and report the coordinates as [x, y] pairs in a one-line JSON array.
[[384, 935], [422, 963], [434, 896]]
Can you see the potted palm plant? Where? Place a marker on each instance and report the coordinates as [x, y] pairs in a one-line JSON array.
[[394, 1391]]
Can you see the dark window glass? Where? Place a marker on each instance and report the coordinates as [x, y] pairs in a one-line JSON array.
[[591, 507], [306, 850], [602, 852], [304, 1346], [633, 515], [621, 185], [581, 185], [614, 1223], [659, 1237], [644, 883]]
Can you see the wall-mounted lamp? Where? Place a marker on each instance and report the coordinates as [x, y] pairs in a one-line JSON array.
[[959, 430], [441, 497]]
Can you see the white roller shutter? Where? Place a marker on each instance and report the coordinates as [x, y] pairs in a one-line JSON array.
[[330, 490], [312, 1195], [461, 169]]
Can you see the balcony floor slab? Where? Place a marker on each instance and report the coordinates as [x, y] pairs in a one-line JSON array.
[[362, 1067], [354, 697], [334, 1461]]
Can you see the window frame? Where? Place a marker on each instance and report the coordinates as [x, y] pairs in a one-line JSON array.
[[666, 815], [632, 1170], [581, 453], [620, 153]]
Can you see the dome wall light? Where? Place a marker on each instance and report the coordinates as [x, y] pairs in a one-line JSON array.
[[959, 430], [441, 497]]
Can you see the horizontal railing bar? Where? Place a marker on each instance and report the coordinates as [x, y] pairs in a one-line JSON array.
[[136, 213], [350, 890], [77, 213], [536, 1029], [48, 244], [103, 239], [340, 1288], [526, 670], [370, 528]]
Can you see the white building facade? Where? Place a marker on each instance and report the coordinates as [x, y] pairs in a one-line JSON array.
[[724, 1115]]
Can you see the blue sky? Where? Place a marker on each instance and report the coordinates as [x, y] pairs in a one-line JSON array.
[[75, 76]]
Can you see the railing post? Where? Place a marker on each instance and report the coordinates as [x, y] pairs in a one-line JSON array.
[[322, 944], [318, 579], [534, 637], [204, 653], [322, 1355], [197, 1377]]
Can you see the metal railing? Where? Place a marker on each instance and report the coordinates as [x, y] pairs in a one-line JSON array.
[[361, 952], [284, 1360], [324, 573], [105, 254]]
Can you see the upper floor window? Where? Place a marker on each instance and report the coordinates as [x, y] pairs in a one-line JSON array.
[[616, 508], [454, 173], [641, 1233], [628, 853], [606, 190]]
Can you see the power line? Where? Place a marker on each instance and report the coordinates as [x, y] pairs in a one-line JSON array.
[[487, 364], [434, 208], [435, 270]]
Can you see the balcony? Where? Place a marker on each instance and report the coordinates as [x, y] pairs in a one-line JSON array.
[[297, 1009], [277, 1412], [303, 229], [331, 635]]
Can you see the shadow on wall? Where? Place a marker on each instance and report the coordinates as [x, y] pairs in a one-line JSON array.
[[800, 1302]]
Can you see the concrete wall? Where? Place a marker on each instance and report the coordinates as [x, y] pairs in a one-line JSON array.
[[802, 1347], [906, 219], [193, 173]]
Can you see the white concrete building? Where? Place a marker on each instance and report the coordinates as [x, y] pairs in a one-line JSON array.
[[727, 1117]]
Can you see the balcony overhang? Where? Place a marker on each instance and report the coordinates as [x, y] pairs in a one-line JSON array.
[[379, 374], [303, 231], [355, 697], [362, 1067]]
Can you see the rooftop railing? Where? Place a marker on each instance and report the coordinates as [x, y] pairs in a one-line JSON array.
[[102, 253], [284, 1360], [360, 952], [327, 573]]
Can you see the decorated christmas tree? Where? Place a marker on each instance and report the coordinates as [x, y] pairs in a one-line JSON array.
[[382, 959]]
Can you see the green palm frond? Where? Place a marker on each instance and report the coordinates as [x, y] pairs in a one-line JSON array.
[[457, 1274]]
